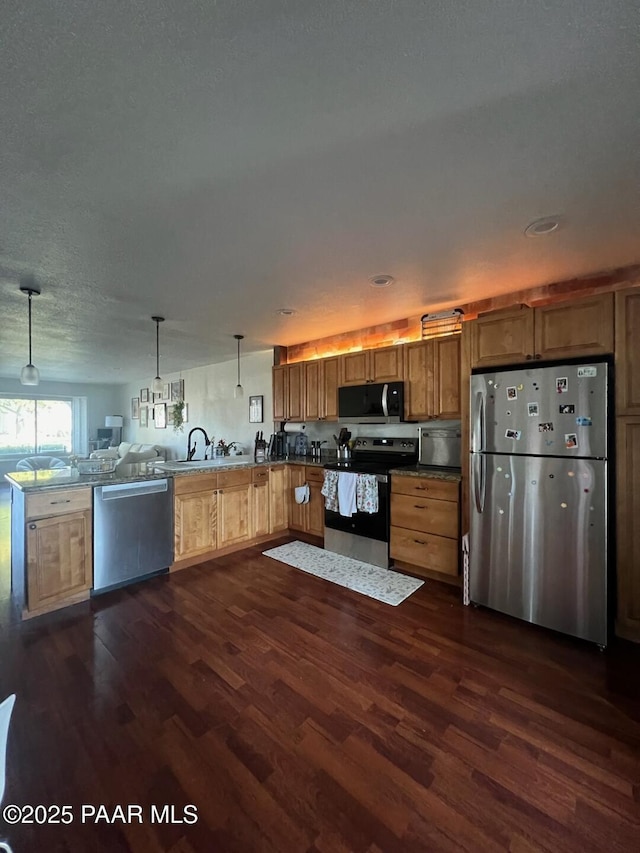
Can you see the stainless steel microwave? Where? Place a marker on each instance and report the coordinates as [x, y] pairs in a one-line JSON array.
[[374, 403]]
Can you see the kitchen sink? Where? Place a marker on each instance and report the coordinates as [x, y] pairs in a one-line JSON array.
[[184, 465]]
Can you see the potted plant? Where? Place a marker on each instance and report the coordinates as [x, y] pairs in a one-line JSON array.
[[178, 416]]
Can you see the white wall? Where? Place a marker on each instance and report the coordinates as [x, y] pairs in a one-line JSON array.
[[208, 392]]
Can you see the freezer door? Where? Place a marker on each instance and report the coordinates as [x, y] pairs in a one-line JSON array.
[[538, 542], [551, 411]]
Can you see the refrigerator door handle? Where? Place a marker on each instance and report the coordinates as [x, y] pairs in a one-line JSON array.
[[479, 478], [479, 432]]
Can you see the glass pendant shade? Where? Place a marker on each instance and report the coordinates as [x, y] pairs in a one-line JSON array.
[[30, 375], [157, 385], [238, 390]]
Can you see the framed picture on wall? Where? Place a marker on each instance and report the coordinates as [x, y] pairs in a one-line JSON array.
[[160, 415], [144, 395], [166, 391], [177, 391], [144, 416], [135, 408], [255, 409]]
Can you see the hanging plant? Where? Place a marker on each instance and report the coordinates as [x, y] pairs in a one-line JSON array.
[[178, 416]]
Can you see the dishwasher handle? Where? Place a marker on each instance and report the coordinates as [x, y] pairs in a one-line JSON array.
[[131, 490]]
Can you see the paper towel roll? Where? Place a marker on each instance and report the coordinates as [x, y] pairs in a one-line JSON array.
[[288, 427]]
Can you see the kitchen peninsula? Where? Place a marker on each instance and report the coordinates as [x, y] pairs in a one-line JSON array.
[[216, 509]]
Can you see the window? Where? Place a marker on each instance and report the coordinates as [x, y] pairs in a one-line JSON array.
[[49, 426]]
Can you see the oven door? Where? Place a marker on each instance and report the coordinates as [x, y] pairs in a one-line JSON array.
[[370, 525]]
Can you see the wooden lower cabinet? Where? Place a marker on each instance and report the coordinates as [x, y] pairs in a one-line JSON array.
[[315, 507], [297, 512], [195, 515], [234, 507], [259, 502], [59, 559], [628, 530], [425, 524], [278, 503]]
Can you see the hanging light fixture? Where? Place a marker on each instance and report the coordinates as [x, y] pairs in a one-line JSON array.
[[239, 390], [157, 382], [30, 374]]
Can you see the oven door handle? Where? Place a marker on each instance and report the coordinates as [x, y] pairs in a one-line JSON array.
[[385, 399]]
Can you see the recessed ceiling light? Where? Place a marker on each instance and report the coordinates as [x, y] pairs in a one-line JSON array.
[[286, 312], [381, 280], [542, 227]]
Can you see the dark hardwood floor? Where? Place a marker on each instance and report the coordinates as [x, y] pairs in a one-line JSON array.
[[298, 716]]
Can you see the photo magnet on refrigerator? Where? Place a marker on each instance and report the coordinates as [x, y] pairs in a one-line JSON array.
[[567, 409], [546, 427], [587, 372], [533, 410], [512, 393], [571, 440], [513, 433], [583, 421], [562, 384]]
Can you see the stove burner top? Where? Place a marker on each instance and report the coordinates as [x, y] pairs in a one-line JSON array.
[[374, 455]]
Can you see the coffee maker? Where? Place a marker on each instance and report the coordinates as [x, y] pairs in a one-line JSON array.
[[278, 443]]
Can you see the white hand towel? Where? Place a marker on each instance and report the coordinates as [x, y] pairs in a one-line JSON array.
[[347, 493], [302, 494]]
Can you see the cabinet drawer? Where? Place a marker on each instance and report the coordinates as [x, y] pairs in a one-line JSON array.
[[425, 514], [259, 475], [436, 553], [192, 483], [314, 475], [239, 477], [58, 502], [420, 487]]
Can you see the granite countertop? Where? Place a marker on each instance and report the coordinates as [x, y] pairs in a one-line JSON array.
[[453, 475], [64, 478], [61, 478]]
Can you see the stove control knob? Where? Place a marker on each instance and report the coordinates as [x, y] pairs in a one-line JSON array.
[[365, 441]]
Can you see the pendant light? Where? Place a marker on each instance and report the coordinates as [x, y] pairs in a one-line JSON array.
[[157, 382], [30, 374], [239, 390]]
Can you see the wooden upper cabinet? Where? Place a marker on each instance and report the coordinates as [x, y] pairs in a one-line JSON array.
[[627, 308], [432, 373], [581, 327], [280, 391], [295, 395], [288, 392], [502, 337], [313, 390], [376, 365], [329, 385], [446, 370]]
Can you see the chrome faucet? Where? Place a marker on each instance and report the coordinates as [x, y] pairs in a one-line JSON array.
[[191, 450]]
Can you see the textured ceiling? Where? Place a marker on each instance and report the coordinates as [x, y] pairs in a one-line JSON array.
[[214, 161]]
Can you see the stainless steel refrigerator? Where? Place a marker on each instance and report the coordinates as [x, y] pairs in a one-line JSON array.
[[539, 495]]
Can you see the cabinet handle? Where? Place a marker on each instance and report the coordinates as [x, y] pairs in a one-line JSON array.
[[417, 506], [220, 492], [529, 357], [419, 542], [61, 501], [421, 488], [537, 355], [32, 527]]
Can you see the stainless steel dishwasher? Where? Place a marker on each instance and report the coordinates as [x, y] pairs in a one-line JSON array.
[[132, 532]]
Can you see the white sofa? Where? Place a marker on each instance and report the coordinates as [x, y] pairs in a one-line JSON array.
[[129, 454]]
